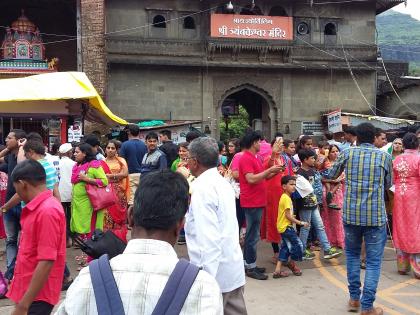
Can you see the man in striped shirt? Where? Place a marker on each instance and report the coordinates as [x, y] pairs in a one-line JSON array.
[[368, 174]]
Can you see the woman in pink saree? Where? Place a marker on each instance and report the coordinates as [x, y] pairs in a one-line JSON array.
[[406, 213]]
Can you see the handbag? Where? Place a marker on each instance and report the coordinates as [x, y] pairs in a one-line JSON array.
[[102, 243], [171, 301], [101, 197], [3, 286], [235, 185]]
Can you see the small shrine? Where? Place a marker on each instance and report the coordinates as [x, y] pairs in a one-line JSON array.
[[22, 50]]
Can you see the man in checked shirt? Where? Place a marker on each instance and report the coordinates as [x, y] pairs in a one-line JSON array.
[[368, 174]]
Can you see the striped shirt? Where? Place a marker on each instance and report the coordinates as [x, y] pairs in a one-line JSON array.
[[51, 173], [368, 174]]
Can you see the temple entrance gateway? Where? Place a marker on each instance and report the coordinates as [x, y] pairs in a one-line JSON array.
[[258, 104]]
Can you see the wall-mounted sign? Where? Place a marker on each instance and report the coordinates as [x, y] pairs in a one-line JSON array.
[[334, 121], [312, 128], [252, 26]]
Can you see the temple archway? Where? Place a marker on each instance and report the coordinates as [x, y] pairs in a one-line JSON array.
[[257, 102]]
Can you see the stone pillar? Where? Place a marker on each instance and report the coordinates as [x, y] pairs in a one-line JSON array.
[[92, 14]]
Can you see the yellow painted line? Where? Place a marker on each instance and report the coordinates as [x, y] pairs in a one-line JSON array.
[[405, 294], [385, 294], [342, 285]]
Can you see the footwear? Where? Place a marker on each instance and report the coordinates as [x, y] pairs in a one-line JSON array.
[[353, 306], [373, 311], [281, 274], [260, 269], [332, 253], [295, 270], [254, 274], [308, 255], [181, 240]]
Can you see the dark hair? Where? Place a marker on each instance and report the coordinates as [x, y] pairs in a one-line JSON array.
[[92, 140], [35, 136], [30, 171], [87, 149], [161, 200], [34, 145], [166, 133], [220, 145], [410, 141], [278, 134], [191, 135], [152, 135], [55, 147], [333, 146], [184, 145], [236, 143], [249, 139], [378, 132], [329, 135], [302, 141], [286, 179], [19, 133], [304, 154], [116, 143], [205, 150], [365, 133], [133, 129], [287, 142], [322, 143], [351, 130]]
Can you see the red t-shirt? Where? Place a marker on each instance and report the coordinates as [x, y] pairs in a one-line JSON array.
[[252, 195], [43, 237]]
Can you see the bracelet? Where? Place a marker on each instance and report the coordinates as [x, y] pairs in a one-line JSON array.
[[115, 177], [4, 210]]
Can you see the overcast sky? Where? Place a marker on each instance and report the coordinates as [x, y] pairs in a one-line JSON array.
[[413, 8]]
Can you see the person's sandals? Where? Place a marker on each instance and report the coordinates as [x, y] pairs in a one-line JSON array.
[[281, 274], [295, 270]]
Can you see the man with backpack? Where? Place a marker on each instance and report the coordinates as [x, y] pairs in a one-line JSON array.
[[148, 278]]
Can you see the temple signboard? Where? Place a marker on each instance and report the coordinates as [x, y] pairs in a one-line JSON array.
[[251, 27]]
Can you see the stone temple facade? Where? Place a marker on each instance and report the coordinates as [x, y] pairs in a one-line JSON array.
[[157, 59]]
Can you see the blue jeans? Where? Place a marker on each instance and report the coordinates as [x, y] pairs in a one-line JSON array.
[[291, 246], [314, 218], [12, 227], [375, 240], [252, 236]]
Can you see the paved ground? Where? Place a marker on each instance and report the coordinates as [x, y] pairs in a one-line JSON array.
[[321, 290]]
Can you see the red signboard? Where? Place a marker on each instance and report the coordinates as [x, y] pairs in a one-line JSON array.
[[252, 27]]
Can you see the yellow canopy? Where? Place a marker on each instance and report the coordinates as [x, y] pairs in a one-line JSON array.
[[55, 86]]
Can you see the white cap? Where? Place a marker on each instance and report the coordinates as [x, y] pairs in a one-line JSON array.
[[64, 148]]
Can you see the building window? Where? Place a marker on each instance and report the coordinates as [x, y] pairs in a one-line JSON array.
[[278, 11], [330, 29], [189, 23], [159, 21]]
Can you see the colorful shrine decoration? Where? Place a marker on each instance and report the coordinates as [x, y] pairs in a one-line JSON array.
[[23, 50]]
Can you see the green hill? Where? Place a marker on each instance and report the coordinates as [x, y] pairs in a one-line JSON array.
[[399, 38]]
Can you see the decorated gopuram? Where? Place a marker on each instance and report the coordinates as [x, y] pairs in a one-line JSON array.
[[23, 51]]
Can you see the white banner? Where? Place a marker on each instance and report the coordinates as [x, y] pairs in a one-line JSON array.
[[334, 121]]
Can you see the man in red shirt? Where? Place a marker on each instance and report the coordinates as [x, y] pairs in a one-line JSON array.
[[253, 199], [38, 276]]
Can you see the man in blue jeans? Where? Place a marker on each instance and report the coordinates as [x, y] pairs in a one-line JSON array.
[[368, 174], [12, 216], [253, 199]]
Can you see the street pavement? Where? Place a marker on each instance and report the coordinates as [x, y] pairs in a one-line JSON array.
[[322, 289]]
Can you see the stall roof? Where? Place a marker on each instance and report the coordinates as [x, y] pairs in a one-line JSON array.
[[56, 86], [388, 120]]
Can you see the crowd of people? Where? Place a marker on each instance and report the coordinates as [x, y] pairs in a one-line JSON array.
[[219, 199]]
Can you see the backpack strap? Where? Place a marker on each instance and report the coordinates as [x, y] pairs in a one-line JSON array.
[[177, 288], [107, 296]]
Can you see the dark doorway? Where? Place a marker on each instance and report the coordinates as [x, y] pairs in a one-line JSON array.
[[257, 107]]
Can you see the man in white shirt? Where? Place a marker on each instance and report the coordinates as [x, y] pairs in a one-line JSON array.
[[211, 227], [142, 271], [65, 186]]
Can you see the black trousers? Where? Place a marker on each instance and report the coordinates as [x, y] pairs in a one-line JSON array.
[[67, 211], [40, 308]]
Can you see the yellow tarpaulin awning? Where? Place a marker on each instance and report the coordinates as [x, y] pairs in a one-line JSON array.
[[53, 87]]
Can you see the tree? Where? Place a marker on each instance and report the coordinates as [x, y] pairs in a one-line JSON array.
[[236, 127]]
